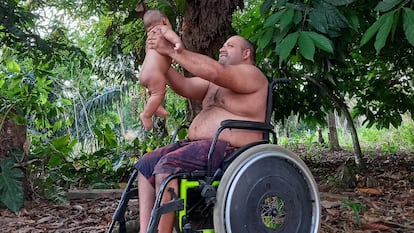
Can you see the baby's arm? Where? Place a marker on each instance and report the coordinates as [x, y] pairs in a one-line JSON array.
[[173, 38]]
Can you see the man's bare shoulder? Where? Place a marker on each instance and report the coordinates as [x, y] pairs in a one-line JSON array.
[[248, 72]]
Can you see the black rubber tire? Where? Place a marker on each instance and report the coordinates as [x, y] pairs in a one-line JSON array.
[[261, 173]]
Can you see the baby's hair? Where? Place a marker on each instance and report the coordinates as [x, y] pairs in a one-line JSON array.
[[152, 17]]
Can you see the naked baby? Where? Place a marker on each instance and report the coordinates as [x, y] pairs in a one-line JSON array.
[[155, 67]]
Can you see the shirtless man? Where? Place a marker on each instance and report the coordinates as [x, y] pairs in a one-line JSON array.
[[232, 88], [155, 67]]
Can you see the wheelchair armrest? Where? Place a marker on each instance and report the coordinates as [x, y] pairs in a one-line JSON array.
[[249, 125], [238, 124]]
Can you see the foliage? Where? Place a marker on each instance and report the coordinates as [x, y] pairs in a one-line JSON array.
[[373, 140], [54, 165], [298, 39], [11, 190], [322, 40], [17, 24], [356, 208], [27, 96], [331, 66], [389, 21], [49, 168]]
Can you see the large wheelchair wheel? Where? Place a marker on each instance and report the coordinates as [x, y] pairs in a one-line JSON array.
[[267, 189]]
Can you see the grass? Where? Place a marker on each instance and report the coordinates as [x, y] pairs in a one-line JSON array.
[[387, 141]]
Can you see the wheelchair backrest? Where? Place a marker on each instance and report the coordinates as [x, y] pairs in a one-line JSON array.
[[269, 102], [269, 107]]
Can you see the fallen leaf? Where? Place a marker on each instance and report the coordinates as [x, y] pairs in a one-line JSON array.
[[372, 191], [330, 204], [375, 226]]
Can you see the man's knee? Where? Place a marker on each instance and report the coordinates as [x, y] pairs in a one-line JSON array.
[[159, 178]]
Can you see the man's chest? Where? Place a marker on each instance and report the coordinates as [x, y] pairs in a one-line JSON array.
[[215, 96]]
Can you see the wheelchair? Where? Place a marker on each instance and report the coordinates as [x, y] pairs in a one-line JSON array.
[[260, 188]]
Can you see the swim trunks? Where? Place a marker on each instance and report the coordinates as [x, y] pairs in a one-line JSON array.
[[182, 156]]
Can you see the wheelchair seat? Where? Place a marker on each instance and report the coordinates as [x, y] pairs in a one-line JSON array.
[[261, 187]]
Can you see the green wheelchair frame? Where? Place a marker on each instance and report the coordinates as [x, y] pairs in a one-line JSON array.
[[261, 187]]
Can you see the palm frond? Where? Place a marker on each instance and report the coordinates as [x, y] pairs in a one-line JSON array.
[[103, 102]]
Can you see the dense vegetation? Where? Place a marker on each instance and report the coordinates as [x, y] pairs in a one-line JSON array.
[[70, 99]]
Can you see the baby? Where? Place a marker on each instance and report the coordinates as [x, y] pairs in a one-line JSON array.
[[155, 67]]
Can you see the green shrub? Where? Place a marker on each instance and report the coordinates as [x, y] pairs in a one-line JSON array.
[[11, 189]]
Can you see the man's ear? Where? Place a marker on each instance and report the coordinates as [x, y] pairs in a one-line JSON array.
[[246, 54]]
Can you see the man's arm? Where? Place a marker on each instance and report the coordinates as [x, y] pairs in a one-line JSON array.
[[193, 88], [243, 78]]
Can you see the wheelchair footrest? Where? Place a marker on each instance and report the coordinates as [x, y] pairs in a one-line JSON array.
[[171, 206]]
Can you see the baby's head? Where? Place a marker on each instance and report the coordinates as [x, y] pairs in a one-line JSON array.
[[155, 17]]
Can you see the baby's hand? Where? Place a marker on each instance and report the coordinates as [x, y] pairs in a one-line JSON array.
[[178, 47]]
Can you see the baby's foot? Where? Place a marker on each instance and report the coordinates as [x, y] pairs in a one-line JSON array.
[[146, 121], [161, 112]]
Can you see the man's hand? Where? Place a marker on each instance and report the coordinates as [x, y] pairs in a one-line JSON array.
[[157, 41], [178, 47]]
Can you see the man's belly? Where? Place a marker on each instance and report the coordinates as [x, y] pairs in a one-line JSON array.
[[206, 123]]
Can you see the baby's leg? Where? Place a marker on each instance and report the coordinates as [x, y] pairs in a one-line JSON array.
[[151, 108], [146, 121], [153, 72], [155, 101]]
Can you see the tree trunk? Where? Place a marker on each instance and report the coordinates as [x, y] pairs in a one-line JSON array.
[[206, 25], [333, 135], [344, 109], [286, 127], [12, 136], [355, 141]]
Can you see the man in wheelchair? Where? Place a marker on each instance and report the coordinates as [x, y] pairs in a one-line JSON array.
[[242, 183], [232, 88]]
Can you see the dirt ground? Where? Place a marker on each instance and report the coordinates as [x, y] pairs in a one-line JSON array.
[[382, 200]]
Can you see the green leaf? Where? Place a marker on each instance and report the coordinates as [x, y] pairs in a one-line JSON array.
[[321, 41], [395, 22], [265, 8], [110, 137], [274, 18], [11, 189], [340, 2], [335, 18], [326, 18], [287, 19], [371, 31], [387, 5], [297, 18], [182, 133], [280, 3], [60, 142], [306, 46], [180, 6], [318, 20], [408, 22], [55, 160], [286, 45], [266, 38], [12, 66], [383, 31]]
